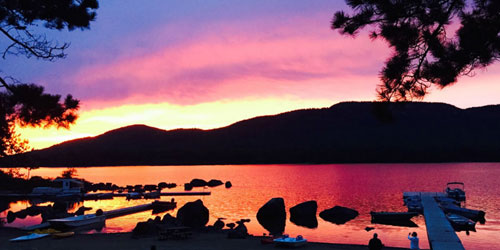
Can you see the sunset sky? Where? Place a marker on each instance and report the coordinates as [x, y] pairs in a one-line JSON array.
[[207, 64]]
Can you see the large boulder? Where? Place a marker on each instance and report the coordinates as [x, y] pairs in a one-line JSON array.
[[304, 214], [272, 216], [214, 183], [198, 183], [338, 215], [145, 228], [193, 214]]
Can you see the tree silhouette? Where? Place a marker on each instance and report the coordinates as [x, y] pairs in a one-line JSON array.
[[26, 104], [424, 53]]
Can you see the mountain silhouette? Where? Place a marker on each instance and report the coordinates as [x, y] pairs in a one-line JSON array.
[[349, 132]]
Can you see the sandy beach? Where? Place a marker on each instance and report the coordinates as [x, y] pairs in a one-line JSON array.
[[125, 241]]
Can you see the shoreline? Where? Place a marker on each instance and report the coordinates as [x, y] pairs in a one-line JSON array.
[[125, 241]]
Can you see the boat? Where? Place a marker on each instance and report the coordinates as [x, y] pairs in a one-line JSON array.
[[66, 187], [133, 196], [152, 195], [162, 206], [454, 192], [392, 216], [62, 235], [461, 223], [447, 201], [475, 215], [32, 236], [415, 206], [77, 221], [286, 241]]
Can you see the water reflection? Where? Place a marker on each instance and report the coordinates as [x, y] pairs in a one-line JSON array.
[[364, 187]]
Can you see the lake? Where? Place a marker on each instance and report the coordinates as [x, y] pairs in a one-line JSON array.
[[364, 187]]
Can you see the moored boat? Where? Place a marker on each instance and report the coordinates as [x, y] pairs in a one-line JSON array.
[[475, 215], [77, 221], [133, 195], [454, 192], [285, 241], [392, 216], [461, 223]]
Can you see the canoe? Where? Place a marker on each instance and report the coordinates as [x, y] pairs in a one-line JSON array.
[[392, 216], [32, 236], [290, 242], [62, 235], [77, 221]]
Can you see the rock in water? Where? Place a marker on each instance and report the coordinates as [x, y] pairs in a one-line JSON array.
[[272, 216], [214, 183], [193, 214], [198, 183], [228, 184], [219, 224], [338, 215], [304, 214], [145, 228]]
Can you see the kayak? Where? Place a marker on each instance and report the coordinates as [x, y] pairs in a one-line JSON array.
[[62, 235], [32, 236]]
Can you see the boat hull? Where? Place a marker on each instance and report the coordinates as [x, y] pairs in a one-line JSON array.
[[78, 221]]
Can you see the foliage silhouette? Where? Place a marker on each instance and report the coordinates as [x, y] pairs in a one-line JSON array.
[[424, 54], [26, 104]]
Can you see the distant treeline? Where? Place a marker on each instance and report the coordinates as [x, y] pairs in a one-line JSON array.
[[351, 132]]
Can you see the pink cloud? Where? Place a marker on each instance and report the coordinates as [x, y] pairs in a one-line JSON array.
[[268, 57]]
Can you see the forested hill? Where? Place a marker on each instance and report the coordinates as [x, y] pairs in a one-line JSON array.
[[351, 132]]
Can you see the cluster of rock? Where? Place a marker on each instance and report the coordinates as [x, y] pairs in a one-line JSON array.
[[202, 183], [194, 215], [272, 215]]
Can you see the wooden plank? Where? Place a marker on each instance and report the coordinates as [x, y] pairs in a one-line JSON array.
[[440, 233]]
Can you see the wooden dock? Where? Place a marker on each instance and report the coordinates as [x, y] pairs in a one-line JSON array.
[[440, 233]]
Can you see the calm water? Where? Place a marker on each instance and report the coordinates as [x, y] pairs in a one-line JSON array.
[[364, 187]]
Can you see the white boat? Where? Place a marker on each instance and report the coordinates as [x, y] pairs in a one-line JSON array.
[[77, 221], [290, 242], [32, 236], [65, 187]]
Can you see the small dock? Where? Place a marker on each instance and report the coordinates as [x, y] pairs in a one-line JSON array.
[[440, 233]]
